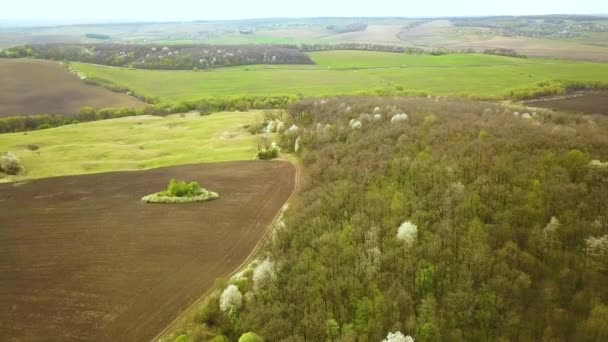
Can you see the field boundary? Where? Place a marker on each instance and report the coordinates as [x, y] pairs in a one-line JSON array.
[[171, 326]]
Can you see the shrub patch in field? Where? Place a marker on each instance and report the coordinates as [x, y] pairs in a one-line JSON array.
[[181, 192]]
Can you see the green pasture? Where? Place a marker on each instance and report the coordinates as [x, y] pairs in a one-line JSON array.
[[344, 72], [133, 143]]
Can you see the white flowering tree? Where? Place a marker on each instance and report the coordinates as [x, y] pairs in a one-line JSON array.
[[407, 232], [296, 146], [231, 299], [10, 164], [549, 233], [355, 124], [263, 272], [397, 337], [402, 117], [596, 249]]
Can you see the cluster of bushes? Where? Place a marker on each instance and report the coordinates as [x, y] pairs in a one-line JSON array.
[[10, 164], [173, 57], [504, 52], [464, 223], [23, 123], [204, 106], [550, 88], [266, 153], [181, 192]]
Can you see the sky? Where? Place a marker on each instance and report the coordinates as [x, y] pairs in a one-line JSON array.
[[78, 11]]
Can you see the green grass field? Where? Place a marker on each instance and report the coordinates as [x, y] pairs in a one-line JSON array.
[[344, 72], [133, 143]]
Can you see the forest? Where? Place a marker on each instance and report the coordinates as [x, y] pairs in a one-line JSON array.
[[444, 220], [172, 57]]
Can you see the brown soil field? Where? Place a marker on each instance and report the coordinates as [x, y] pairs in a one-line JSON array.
[[45, 87], [589, 102], [83, 259]]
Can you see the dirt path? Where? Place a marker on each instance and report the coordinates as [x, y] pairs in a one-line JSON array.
[[81, 258]]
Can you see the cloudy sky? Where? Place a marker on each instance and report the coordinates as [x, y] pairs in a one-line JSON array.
[[177, 10]]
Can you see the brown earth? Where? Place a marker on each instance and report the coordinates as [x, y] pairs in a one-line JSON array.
[[83, 259], [44, 87], [589, 102]]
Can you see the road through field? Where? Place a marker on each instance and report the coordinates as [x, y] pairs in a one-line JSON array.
[[84, 259]]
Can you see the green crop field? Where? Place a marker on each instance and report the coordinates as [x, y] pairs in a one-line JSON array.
[[133, 143], [344, 72]]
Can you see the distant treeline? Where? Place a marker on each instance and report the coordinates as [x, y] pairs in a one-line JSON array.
[[192, 57], [173, 57], [355, 27], [204, 106], [97, 36], [368, 47]]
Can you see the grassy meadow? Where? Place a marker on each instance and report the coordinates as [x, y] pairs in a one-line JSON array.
[[133, 143], [344, 72]]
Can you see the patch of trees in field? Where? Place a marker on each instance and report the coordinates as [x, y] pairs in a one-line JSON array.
[[459, 221], [172, 57], [97, 36]]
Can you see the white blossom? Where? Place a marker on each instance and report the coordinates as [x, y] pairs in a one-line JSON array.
[[271, 128], [231, 299], [407, 232], [598, 163], [457, 187], [596, 249], [526, 116], [296, 146], [400, 117], [397, 337], [365, 117], [377, 117], [355, 124], [263, 272], [549, 233], [516, 114], [293, 129], [377, 110]]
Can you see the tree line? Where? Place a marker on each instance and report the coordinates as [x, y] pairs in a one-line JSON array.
[[171, 57], [204, 106]]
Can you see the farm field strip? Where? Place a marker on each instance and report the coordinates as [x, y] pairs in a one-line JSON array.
[[89, 261], [44, 87], [587, 102], [344, 72]]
